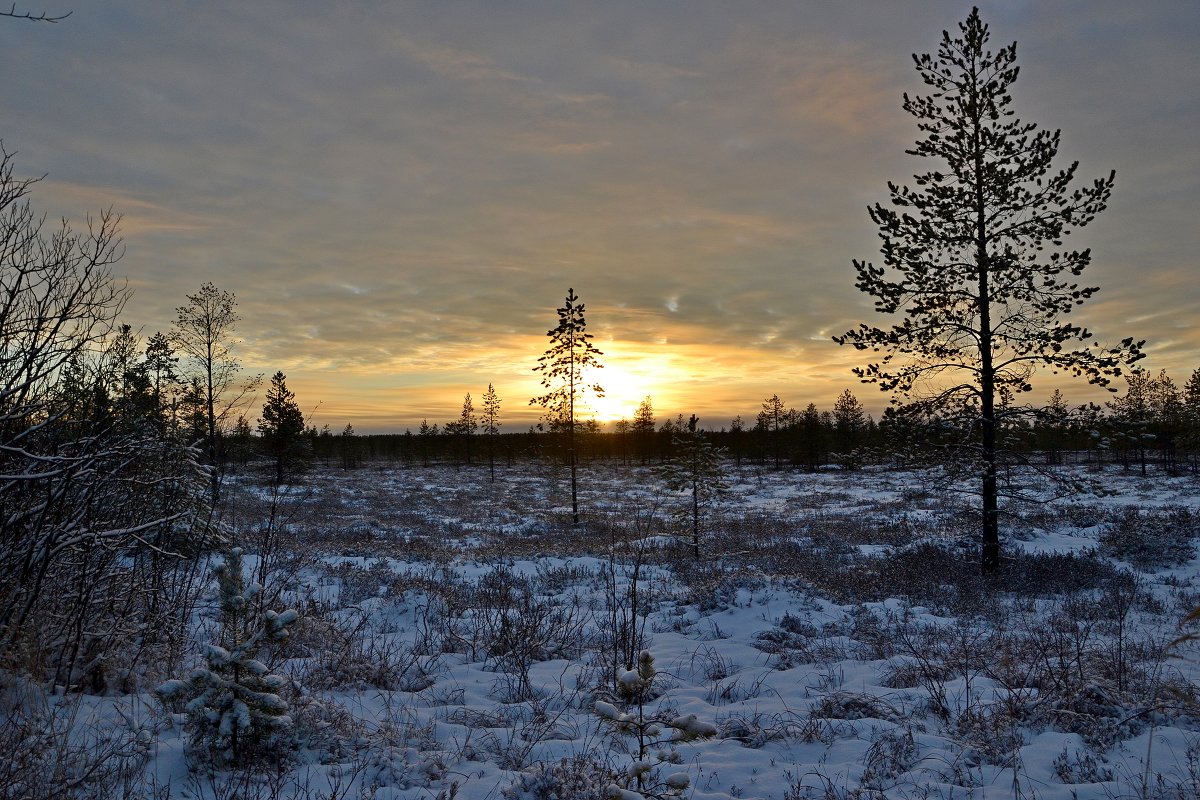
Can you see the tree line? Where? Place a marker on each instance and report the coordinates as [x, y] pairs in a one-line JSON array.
[[1154, 424]]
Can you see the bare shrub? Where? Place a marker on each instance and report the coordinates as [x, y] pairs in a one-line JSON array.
[[892, 754], [357, 656], [1150, 540], [55, 749], [579, 777]]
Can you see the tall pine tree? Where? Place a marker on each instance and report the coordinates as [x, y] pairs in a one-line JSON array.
[[564, 366], [971, 261]]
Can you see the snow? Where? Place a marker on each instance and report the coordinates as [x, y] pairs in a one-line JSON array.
[[462, 646]]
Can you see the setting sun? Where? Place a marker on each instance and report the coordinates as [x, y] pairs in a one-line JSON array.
[[623, 390]]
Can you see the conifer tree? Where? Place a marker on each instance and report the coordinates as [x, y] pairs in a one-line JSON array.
[[1190, 438], [468, 423], [737, 428], [643, 427], [849, 429], [972, 261], [773, 418], [233, 701], [426, 434], [490, 425], [161, 367], [282, 426], [694, 469], [564, 368], [350, 448]]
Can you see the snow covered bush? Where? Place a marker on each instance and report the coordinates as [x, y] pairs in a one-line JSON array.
[[233, 703], [578, 777], [643, 779]]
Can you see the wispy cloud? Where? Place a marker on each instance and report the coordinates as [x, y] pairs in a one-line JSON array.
[[401, 196]]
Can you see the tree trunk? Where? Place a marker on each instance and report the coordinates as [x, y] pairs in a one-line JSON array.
[[990, 556]]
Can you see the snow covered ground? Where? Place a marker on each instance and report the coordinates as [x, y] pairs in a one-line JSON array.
[[460, 639]]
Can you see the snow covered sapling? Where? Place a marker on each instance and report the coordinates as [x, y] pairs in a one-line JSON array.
[[233, 705], [643, 780]]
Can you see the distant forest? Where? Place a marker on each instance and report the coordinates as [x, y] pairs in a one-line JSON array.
[[1153, 423]]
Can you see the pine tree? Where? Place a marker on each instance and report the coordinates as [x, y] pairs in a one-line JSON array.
[[650, 738], [1053, 427], [849, 429], [971, 261], [1166, 413], [351, 452], [1191, 417], [282, 427], [468, 423], [426, 434], [233, 701], [1130, 418], [490, 422], [773, 419], [737, 429], [811, 428], [695, 469], [643, 428], [564, 366]]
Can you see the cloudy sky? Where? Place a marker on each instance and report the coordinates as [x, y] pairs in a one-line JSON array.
[[400, 194]]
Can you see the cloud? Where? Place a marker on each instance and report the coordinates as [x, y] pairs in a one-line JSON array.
[[401, 196]]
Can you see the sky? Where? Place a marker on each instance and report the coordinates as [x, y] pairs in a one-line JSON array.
[[401, 194]]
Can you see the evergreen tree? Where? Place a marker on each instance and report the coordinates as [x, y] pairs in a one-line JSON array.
[[643, 428], [426, 434], [773, 418], [1052, 427], [1131, 419], [490, 425], [695, 469], [161, 362], [621, 428], [971, 261], [350, 450], [812, 430], [233, 702], [468, 423], [1166, 412], [282, 427], [1190, 438], [564, 366], [849, 429]]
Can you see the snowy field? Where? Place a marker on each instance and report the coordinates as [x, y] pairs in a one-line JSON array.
[[461, 639]]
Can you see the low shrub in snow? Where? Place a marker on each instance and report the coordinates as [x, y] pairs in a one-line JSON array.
[[1150, 541]]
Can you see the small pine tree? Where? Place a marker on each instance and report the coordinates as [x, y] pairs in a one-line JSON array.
[[849, 429], [695, 470], [490, 425], [233, 703], [643, 779], [282, 427], [773, 419], [1190, 438], [643, 428]]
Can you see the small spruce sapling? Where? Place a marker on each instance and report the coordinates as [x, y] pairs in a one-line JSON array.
[[643, 779], [233, 706]]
